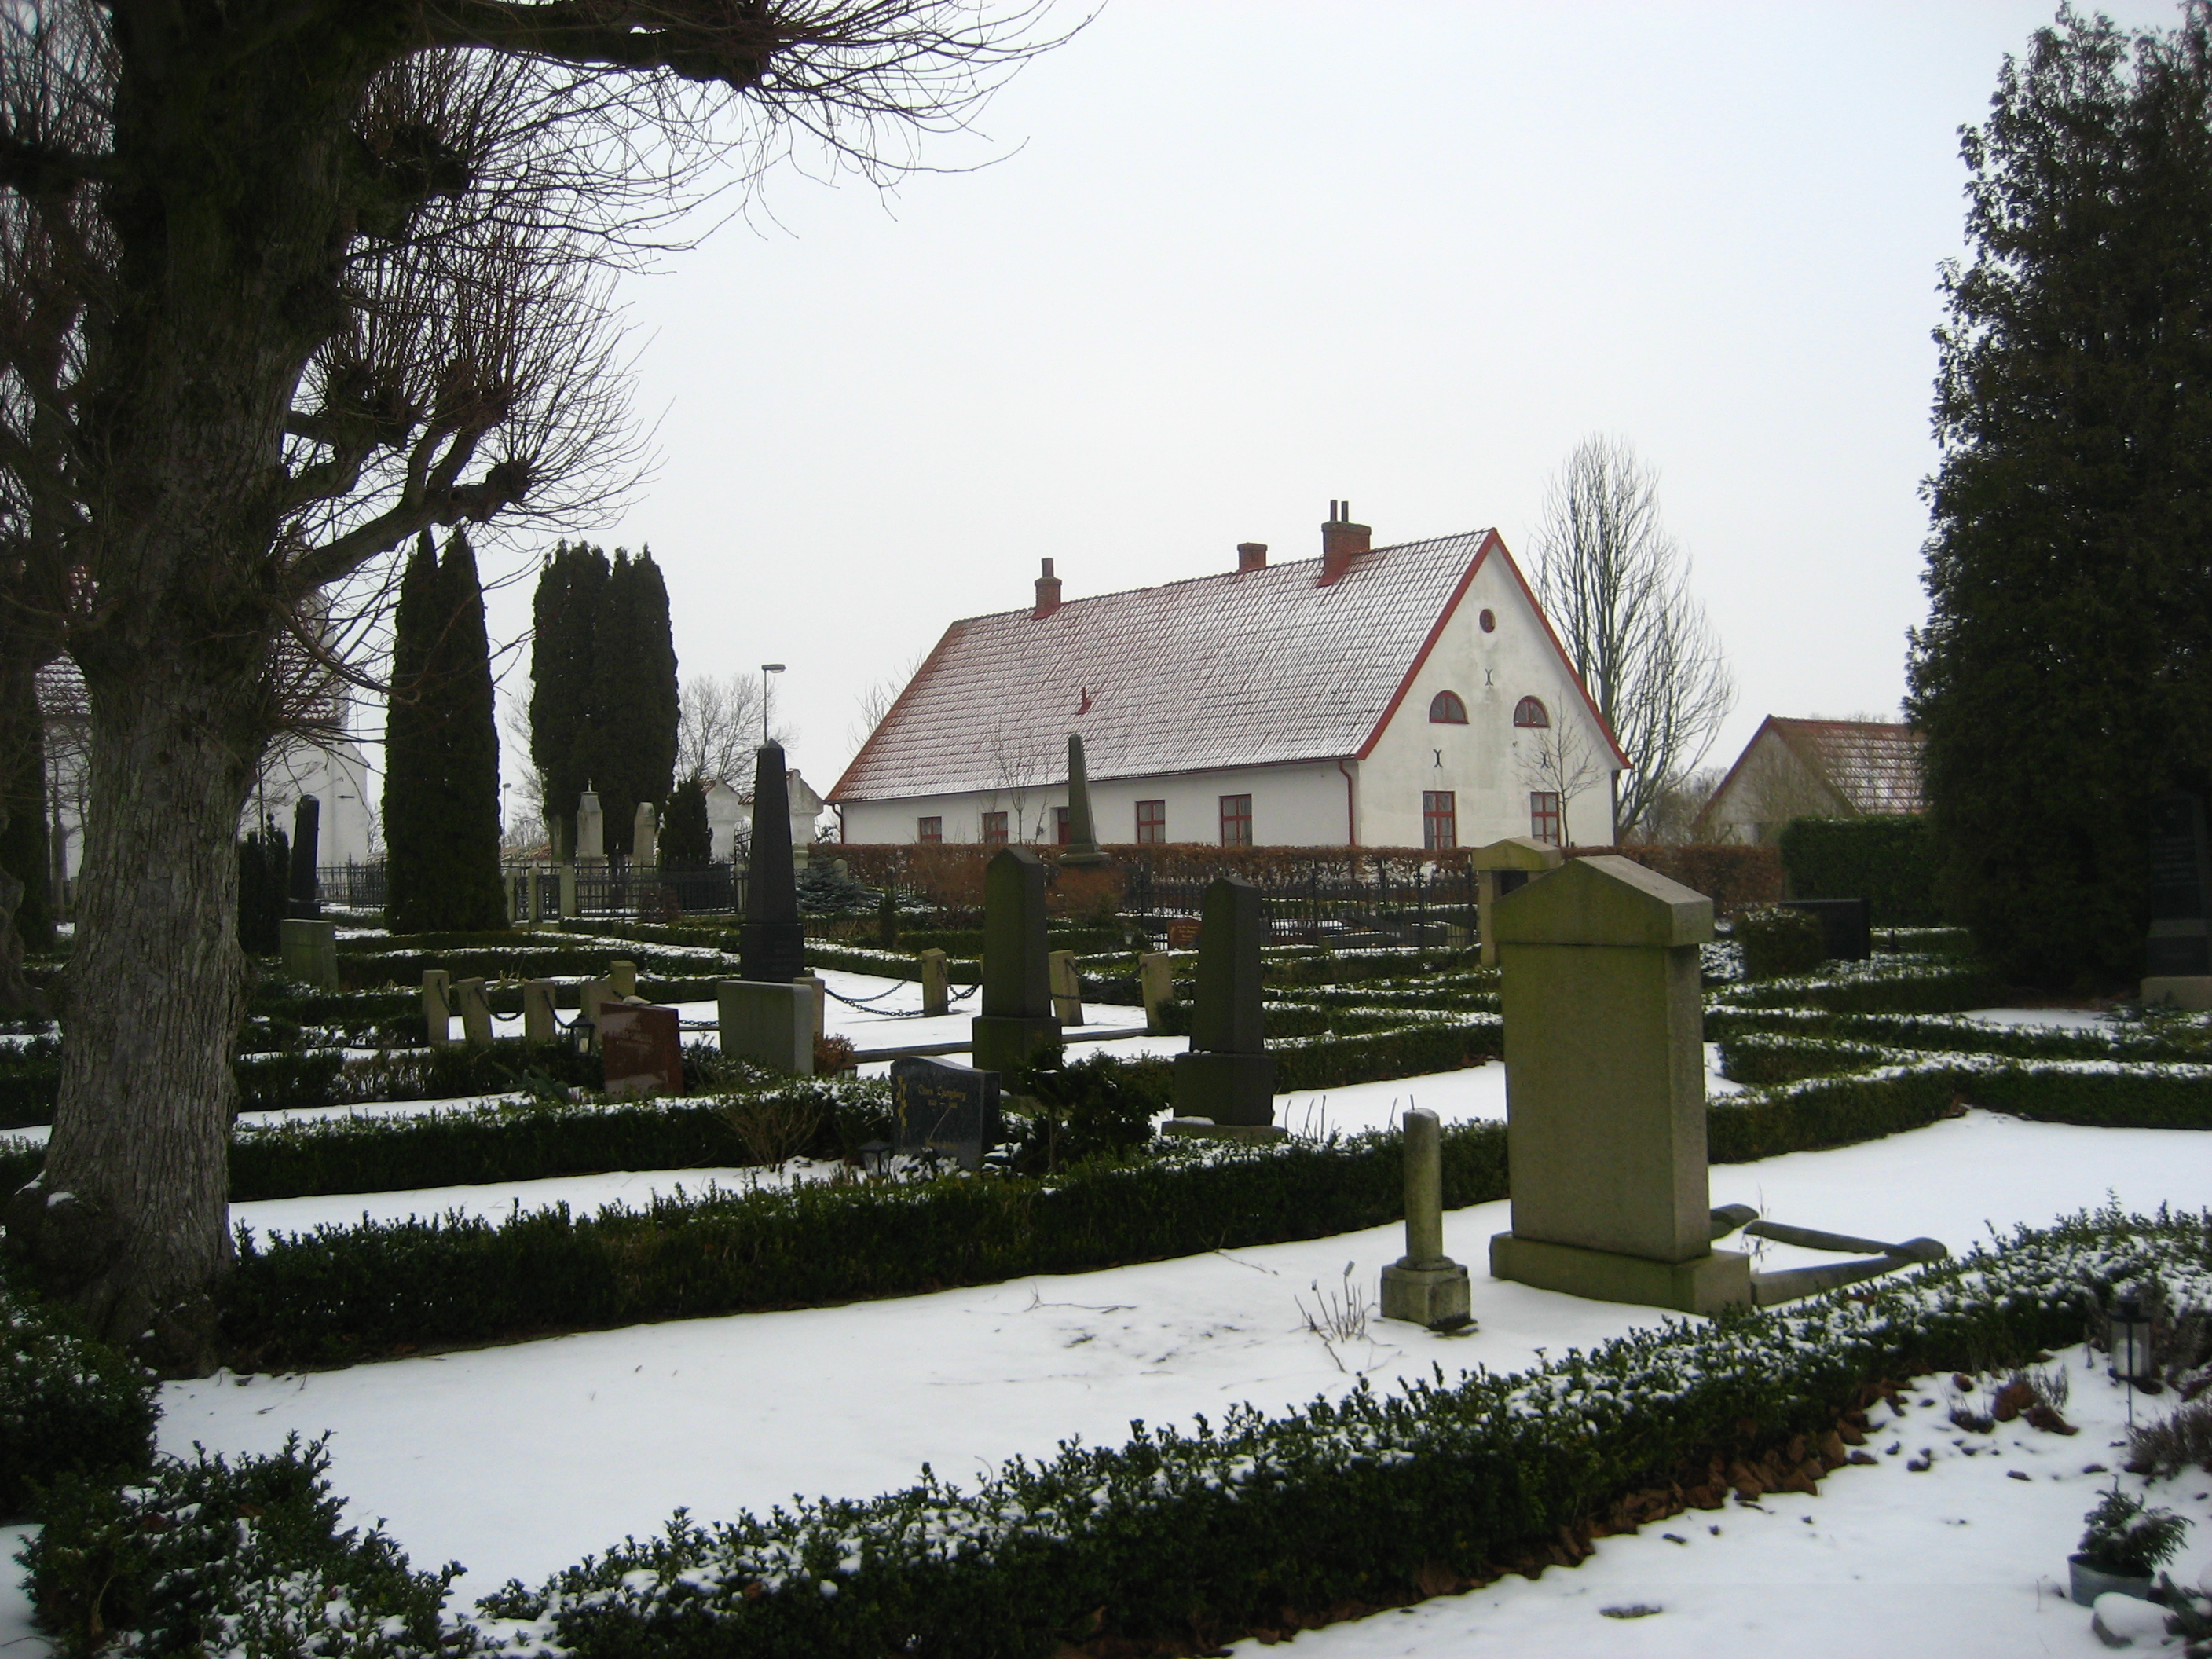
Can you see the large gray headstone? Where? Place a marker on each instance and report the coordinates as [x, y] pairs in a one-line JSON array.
[[304, 900], [1228, 1076], [1016, 1018], [769, 1022]]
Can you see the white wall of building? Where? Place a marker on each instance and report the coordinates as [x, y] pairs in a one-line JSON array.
[[1484, 764]]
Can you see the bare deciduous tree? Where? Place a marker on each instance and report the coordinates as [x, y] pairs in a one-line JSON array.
[[717, 728], [1616, 586], [282, 283], [1560, 760], [876, 697]]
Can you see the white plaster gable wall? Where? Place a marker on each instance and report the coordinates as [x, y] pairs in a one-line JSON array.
[[729, 815], [1301, 804], [1480, 762], [1768, 786]]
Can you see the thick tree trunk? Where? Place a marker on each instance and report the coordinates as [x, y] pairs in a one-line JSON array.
[[131, 1220]]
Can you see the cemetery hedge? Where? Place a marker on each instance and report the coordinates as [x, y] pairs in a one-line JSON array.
[[1920, 984], [69, 1406], [1890, 862], [1954, 1034], [1257, 1526]]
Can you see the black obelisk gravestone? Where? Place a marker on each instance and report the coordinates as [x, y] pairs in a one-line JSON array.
[[1228, 1075], [2180, 944], [307, 829], [1082, 851], [772, 944]]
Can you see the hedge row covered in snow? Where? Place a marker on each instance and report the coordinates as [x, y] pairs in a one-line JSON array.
[[1256, 1525], [1961, 1034], [68, 1405]]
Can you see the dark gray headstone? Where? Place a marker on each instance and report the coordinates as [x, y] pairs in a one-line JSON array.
[[1016, 1018], [1228, 1076], [2181, 886], [945, 1107], [304, 900], [772, 944], [1846, 925]]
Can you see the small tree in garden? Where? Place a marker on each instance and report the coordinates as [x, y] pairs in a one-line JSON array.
[[686, 837]]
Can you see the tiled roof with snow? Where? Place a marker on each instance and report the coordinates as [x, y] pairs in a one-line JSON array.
[[1874, 765], [1246, 668]]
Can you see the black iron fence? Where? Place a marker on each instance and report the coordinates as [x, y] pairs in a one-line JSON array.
[[358, 885], [1346, 906], [534, 890]]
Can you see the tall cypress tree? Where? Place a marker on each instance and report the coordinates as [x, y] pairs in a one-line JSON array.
[[410, 832], [563, 726], [617, 710], [441, 751], [687, 838], [2064, 676]]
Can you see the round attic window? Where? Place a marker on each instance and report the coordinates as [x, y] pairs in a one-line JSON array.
[[1489, 621]]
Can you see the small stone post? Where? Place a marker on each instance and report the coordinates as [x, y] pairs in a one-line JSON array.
[[591, 997], [1228, 1077], [1066, 988], [1426, 1286], [1499, 868], [1155, 984], [1016, 1018], [436, 1014], [476, 1012], [772, 944], [1605, 1090], [936, 983], [540, 1022], [622, 975], [1082, 853], [818, 990]]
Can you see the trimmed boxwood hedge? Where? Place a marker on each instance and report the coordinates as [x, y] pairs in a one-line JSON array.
[[1924, 984], [1179, 1541], [1890, 862], [1953, 1034], [68, 1405]]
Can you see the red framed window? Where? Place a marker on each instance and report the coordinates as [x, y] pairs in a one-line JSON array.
[[929, 830], [1543, 814], [1529, 711], [1439, 819], [1059, 826], [995, 828], [1151, 822], [1445, 709], [1236, 820]]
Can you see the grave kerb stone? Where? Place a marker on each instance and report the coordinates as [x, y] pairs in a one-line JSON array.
[[936, 983], [540, 1024], [1066, 988], [622, 975], [476, 1012], [437, 1013]]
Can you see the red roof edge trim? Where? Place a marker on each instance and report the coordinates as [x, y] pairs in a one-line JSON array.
[[837, 789], [1421, 656]]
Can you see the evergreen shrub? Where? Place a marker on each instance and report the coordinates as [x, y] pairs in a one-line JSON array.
[[1777, 943], [1890, 862], [70, 1406]]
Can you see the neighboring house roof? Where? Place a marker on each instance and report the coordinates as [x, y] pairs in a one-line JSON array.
[[1872, 766], [1246, 668]]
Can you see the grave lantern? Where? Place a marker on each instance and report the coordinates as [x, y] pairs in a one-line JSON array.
[[2131, 1355], [876, 1157], [581, 1030]]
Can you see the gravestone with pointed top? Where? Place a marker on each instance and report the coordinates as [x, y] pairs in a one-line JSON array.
[[772, 944], [1228, 1076], [1499, 869], [591, 829], [1082, 852], [1016, 1020], [1605, 1090]]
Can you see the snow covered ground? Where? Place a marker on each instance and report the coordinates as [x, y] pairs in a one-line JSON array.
[[518, 1460]]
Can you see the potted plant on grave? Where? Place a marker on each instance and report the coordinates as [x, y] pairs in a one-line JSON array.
[[2125, 1544]]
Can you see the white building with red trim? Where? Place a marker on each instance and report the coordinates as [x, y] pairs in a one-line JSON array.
[[1382, 697]]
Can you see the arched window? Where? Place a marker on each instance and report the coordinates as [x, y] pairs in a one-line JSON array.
[[1446, 709], [1529, 711]]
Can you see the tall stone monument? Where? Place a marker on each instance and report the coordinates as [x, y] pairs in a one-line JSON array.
[[1016, 1019], [1501, 868], [304, 900], [1228, 1076], [1605, 1090], [2178, 960], [772, 944], [645, 838], [1082, 851], [591, 828]]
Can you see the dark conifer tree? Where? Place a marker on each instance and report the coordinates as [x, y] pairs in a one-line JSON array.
[[2064, 676], [442, 752], [410, 745], [687, 839], [571, 588], [24, 850]]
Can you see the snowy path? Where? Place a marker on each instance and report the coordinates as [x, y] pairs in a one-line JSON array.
[[519, 1459]]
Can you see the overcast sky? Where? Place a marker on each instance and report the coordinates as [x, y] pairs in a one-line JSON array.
[[1239, 258]]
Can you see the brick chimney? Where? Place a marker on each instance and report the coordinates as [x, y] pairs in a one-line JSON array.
[[1048, 593], [1341, 542], [1251, 555]]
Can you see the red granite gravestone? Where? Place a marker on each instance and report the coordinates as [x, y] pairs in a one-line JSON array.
[[643, 1047]]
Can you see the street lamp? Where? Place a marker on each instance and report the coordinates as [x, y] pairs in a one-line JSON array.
[[767, 669]]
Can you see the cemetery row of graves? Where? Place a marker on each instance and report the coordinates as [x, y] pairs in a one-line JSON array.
[[394, 1072]]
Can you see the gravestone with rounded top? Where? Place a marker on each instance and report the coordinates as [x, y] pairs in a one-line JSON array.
[[1016, 1020], [1605, 1090]]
